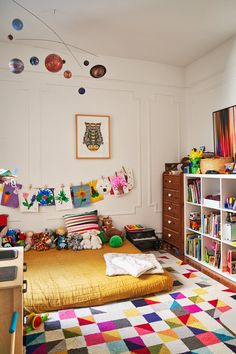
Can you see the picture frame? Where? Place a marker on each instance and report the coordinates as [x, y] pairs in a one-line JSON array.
[[92, 136], [224, 132]]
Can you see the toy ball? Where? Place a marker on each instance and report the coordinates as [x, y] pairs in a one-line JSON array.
[[98, 71], [86, 62], [53, 63], [34, 61], [17, 24], [16, 66], [81, 91], [115, 241], [67, 74]]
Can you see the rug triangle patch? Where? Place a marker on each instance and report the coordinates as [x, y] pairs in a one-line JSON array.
[[96, 312], [84, 321]]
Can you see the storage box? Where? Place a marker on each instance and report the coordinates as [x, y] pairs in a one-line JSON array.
[[211, 203], [216, 164], [229, 232]]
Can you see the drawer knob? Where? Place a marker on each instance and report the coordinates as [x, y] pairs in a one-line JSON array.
[[169, 208], [169, 221], [169, 181], [169, 235], [169, 194]]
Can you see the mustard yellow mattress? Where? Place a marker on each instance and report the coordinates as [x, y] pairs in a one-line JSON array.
[[65, 279]]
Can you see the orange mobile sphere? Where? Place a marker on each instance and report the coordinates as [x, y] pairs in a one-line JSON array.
[[53, 63], [67, 74]]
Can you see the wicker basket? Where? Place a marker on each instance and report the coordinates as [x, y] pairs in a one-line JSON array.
[[216, 164]]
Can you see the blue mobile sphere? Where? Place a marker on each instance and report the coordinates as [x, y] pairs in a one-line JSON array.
[[17, 24]]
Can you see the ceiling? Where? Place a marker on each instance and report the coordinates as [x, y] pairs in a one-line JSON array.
[[175, 32]]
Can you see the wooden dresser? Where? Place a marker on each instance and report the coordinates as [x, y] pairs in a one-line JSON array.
[[173, 211]]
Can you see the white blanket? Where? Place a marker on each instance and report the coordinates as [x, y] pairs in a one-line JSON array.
[[133, 266], [115, 269]]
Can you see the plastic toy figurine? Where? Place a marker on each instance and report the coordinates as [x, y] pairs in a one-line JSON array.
[[195, 158], [34, 321]]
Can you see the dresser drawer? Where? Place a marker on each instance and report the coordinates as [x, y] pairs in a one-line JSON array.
[[171, 182], [171, 223], [171, 236], [171, 209], [170, 195]]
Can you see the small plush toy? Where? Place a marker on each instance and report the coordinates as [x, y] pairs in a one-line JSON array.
[[43, 243], [61, 242], [74, 241], [52, 236], [103, 186], [7, 241], [108, 228], [86, 242], [21, 239], [28, 240], [116, 241], [96, 242]]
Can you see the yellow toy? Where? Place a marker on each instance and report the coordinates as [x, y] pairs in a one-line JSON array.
[[34, 321], [195, 157]]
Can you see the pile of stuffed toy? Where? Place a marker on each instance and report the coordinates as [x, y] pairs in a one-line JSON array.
[[61, 239]]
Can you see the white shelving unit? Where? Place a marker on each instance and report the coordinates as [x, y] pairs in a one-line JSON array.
[[218, 184]]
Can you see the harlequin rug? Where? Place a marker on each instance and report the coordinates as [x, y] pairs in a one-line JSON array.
[[185, 320]]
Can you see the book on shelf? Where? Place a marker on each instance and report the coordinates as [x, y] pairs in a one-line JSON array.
[[231, 261], [194, 191], [211, 225], [212, 255], [193, 246]]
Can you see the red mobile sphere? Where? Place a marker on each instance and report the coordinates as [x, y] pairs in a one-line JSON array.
[[53, 63], [67, 74]]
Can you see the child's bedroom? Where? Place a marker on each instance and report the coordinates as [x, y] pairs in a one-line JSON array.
[[118, 177]]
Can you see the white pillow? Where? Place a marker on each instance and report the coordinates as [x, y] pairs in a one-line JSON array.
[[112, 269], [133, 266]]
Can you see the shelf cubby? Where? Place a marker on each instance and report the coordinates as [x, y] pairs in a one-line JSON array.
[[215, 241]]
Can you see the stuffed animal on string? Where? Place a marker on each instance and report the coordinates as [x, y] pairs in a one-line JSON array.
[[74, 241], [103, 185], [86, 242], [119, 185]]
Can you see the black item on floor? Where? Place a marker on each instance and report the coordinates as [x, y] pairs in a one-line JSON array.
[[144, 240]]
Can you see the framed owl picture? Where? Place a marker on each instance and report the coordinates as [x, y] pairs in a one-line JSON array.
[[92, 136]]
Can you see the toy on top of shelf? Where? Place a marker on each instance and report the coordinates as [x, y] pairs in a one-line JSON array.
[[195, 158]]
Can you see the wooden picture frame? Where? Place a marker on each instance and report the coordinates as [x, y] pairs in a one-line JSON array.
[[92, 136]]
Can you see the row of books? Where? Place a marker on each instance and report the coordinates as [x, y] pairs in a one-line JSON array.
[[211, 225], [194, 191], [213, 255], [193, 246]]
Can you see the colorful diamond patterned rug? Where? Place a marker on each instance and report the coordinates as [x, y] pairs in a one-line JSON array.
[[185, 320]]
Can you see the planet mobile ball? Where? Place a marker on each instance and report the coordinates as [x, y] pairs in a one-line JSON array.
[[10, 37], [53, 63], [86, 62], [67, 74], [16, 66], [34, 61], [17, 24], [98, 71], [81, 91]]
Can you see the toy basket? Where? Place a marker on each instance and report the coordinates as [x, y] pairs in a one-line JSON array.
[[215, 164]]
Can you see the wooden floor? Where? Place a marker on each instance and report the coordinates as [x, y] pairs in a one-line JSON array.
[[200, 267]]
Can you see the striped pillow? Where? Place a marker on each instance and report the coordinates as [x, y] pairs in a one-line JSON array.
[[81, 222]]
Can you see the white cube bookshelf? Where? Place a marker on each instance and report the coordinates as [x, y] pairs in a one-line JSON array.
[[214, 242]]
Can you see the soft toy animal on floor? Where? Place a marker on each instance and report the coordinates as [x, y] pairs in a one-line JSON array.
[[61, 238], [74, 241], [108, 228], [44, 243], [86, 242], [96, 242], [29, 240]]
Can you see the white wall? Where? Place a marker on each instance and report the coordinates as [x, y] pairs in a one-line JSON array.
[[37, 134], [210, 85]]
